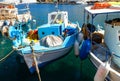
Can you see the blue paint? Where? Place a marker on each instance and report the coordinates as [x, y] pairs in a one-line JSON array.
[[84, 49], [69, 30], [49, 29]]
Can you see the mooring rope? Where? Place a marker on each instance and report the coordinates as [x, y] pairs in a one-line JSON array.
[[36, 64], [7, 55]]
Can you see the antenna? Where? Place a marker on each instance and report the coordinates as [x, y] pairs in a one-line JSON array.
[[56, 6]]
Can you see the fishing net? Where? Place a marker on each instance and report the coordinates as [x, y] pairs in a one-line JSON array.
[[51, 41]]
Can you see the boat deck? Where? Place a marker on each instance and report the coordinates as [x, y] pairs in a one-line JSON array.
[[100, 51]]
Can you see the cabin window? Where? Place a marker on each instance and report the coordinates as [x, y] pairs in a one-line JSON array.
[[53, 16], [53, 33], [59, 17], [43, 33]]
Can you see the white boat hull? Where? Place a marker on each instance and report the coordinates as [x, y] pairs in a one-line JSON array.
[[113, 74], [44, 57]]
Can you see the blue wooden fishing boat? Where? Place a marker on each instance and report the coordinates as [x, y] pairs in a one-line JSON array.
[[47, 42]]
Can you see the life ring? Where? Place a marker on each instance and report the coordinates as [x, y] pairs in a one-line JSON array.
[[85, 47]]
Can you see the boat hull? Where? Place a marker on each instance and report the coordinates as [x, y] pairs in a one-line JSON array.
[[44, 57], [113, 74], [112, 33]]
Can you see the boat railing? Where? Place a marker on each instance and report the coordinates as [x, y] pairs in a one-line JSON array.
[[22, 11]]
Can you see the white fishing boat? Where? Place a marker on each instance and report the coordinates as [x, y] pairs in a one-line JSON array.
[[46, 43], [105, 44], [9, 15]]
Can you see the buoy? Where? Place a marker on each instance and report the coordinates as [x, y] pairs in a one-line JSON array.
[[102, 72], [76, 48], [85, 47], [78, 40], [80, 37]]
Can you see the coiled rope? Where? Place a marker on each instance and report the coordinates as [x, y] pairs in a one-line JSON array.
[[7, 55]]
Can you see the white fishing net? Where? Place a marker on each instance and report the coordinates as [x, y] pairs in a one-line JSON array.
[[51, 41]]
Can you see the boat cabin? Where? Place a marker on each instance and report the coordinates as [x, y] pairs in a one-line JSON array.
[[58, 17]]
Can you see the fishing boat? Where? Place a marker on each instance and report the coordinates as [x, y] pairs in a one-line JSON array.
[[9, 15], [47, 42], [104, 42]]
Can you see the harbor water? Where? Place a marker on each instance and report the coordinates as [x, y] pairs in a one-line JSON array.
[[67, 68]]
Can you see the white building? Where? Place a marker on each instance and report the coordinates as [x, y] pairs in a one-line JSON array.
[[28, 1], [18, 1], [10, 1]]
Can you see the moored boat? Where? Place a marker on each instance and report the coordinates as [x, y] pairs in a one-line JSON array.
[[46, 43], [104, 43], [9, 15]]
